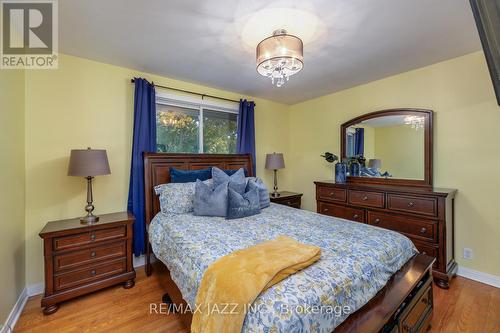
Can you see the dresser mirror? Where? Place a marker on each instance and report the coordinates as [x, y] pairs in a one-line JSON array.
[[389, 147]]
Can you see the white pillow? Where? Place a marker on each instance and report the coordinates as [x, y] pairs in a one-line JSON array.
[[177, 198]]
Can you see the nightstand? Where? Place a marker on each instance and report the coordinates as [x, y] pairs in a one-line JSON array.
[[286, 198], [81, 258]]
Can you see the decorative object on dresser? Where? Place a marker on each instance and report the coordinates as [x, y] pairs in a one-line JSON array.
[[340, 167], [274, 162], [407, 202], [80, 259], [88, 163], [286, 198]]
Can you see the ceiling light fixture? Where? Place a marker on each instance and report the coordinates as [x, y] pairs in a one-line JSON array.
[[280, 56]]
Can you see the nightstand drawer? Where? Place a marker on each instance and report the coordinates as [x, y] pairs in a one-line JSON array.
[[84, 238], [89, 256], [365, 198], [342, 212], [291, 202], [90, 274]]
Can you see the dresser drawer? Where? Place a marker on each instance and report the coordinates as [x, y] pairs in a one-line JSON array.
[[343, 212], [367, 199], [89, 256], [427, 249], [332, 194], [417, 205], [84, 238], [422, 229], [90, 274]]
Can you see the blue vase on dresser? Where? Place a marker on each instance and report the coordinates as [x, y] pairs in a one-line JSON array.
[[355, 169], [340, 173]]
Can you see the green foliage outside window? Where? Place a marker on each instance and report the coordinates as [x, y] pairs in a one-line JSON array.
[[178, 132]]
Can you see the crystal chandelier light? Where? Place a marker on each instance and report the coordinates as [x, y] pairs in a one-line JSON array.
[[415, 122], [279, 57]]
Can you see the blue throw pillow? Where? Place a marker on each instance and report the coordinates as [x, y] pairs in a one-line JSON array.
[[242, 205], [210, 201], [236, 181], [232, 172], [189, 176], [257, 183]]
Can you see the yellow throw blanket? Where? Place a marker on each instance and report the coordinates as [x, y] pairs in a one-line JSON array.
[[231, 284]]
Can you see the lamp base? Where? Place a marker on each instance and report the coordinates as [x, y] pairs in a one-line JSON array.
[[89, 219], [275, 194]]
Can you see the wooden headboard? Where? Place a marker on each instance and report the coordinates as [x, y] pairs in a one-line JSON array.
[[157, 171]]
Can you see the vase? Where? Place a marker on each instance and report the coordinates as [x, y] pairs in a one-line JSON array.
[[355, 169], [340, 173]]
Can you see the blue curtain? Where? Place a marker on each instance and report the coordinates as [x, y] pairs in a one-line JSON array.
[[245, 141], [144, 140], [359, 142]]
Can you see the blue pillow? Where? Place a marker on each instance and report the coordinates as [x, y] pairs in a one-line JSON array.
[[189, 176], [257, 183], [210, 201], [236, 181], [232, 172], [242, 205]]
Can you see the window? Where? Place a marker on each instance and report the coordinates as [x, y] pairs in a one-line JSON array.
[[192, 126]]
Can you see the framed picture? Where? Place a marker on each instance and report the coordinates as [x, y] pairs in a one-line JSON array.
[[487, 16]]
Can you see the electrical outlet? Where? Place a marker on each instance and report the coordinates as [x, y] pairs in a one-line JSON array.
[[468, 253]]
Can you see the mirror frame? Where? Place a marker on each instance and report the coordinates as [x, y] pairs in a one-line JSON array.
[[428, 142]]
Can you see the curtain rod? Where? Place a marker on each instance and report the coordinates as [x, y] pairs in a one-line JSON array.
[[193, 92]]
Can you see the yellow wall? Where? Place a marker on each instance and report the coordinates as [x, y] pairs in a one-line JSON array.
[[401, 150], [12, 255], [87, 103], [466, 142]]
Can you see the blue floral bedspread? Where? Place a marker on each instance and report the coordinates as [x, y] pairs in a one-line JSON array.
[[357, 260]]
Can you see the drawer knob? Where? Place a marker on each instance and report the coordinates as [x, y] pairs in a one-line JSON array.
[[355, 216], [365, 198], [93, 272], [92, 236], [289, 203], [325, 210], [423, 230], [411, 204], [423, 252], [92, 254], [332, 194], [377, 221]]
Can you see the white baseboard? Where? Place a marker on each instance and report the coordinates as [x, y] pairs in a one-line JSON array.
[[486, 278], [11, 320]]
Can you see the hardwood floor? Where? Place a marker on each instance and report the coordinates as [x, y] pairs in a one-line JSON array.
[[468, 306]]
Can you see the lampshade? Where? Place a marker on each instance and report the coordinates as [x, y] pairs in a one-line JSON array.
[[275, 161], [88, 163], [375, 163], [280, 56]]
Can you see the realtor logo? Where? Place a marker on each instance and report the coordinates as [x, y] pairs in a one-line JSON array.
[[29, 34]]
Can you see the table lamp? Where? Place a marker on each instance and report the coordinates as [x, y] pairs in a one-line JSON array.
[[274, 162], [375, 163], [88, 163]]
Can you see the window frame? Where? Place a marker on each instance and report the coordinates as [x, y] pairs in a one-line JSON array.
[[197, 103]]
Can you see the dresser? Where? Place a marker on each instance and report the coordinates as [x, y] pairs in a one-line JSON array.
[[81, 258], [424, 215]]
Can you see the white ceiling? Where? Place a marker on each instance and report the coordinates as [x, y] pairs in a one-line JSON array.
[[355, 41]]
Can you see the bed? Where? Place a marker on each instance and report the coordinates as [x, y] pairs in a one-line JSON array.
[[375, 273]]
